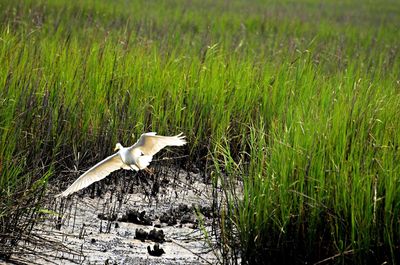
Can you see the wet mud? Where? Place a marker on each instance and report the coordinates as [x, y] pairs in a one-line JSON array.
[[126, 224]]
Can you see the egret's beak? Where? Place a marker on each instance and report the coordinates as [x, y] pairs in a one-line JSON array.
[[115, 149]]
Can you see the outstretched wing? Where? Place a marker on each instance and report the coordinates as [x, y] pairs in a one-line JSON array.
[[150, 143], [96, 173]]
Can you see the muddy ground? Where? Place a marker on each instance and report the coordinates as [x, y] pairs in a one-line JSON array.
[[130, 218]]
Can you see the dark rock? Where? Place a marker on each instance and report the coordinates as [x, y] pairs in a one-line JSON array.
[[195, 170], [145, 219], [116, 225], [154, 235], [183, 208], [157, 224], [124, 218], [133, 216], [102, 216], [164, 182], [176, 212], [93, 241], [141, 234], [206, 210], [157, 236], [157, 251], [169, 219], [164, 218], [172, 221], [187, 218]]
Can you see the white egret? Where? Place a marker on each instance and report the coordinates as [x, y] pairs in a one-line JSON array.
[[135, 157]]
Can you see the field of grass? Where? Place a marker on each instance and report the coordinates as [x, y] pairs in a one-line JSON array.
[[294, 106]]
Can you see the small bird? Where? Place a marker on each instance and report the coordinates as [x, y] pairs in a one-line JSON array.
[[135, 157]]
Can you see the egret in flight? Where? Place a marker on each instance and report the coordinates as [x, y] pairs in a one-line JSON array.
[[135, 157]]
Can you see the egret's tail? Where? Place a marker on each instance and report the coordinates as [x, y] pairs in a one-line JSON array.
[[144, 161]]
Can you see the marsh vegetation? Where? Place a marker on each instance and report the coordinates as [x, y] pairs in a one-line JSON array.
[[292, 108]]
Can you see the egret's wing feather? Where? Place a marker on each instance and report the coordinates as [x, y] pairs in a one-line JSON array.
[[96, 173], [150, 143]]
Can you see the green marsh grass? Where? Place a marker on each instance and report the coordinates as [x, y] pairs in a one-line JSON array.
[[293, 107]]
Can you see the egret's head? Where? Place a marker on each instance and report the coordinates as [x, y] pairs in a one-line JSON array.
[[118, 146]]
